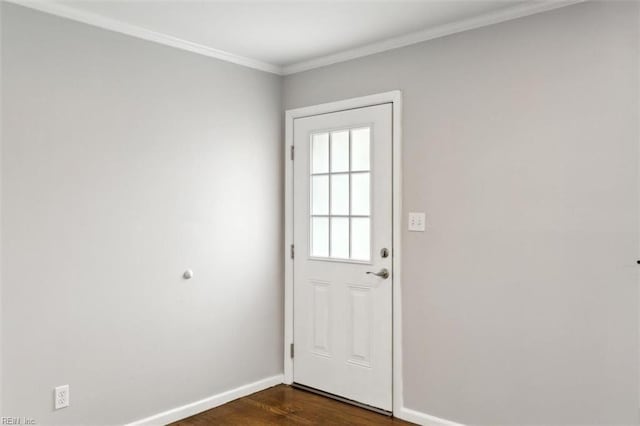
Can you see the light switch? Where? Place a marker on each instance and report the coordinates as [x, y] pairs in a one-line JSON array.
[[417, 222]]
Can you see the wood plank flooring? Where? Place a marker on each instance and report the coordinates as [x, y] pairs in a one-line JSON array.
[[284, 405]]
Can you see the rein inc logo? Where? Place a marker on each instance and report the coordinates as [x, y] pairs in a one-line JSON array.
[[17, 421]]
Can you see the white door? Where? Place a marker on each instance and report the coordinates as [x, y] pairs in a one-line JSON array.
[[343, 234]]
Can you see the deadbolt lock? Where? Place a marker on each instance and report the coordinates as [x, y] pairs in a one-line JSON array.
[[384, 252]]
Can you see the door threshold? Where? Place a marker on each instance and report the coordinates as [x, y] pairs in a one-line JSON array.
[[342, 399]]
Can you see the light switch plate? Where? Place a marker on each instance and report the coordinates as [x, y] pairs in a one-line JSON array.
[[417, 222]]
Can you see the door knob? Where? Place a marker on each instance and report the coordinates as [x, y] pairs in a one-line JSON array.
[[383, 273]]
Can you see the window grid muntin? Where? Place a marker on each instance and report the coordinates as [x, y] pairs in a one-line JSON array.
[[350, 216]]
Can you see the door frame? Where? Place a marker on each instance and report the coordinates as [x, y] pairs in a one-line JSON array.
[[395, 98]]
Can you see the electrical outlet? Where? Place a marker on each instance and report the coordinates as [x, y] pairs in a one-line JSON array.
[[61, 395], [417, 222]]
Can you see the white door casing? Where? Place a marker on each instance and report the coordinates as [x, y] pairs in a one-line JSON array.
[[342, 316]]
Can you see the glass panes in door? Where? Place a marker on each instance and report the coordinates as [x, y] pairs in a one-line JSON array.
[[340, 181]]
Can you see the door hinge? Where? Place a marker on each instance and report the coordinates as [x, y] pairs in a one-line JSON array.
[[293, 148], [293, 251], [291, 350]]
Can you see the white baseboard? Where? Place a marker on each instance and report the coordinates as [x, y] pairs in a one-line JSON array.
[[422, 419], [213, 401]]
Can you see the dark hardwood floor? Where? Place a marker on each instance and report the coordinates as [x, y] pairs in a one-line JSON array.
[[284, 405]]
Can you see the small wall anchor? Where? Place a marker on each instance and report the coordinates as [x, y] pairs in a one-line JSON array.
[[188, 274]]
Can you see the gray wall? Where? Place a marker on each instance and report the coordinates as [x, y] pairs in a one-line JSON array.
[[520, 302], [1, 134], [124, 163]]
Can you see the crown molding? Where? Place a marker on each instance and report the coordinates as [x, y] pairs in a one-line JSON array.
[[507, 14], [144, 33], [517, 11]]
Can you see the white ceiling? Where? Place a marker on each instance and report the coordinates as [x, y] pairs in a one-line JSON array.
[[290, 36]]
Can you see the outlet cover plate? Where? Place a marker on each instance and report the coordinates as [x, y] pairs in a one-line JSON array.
[[61, 396]]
